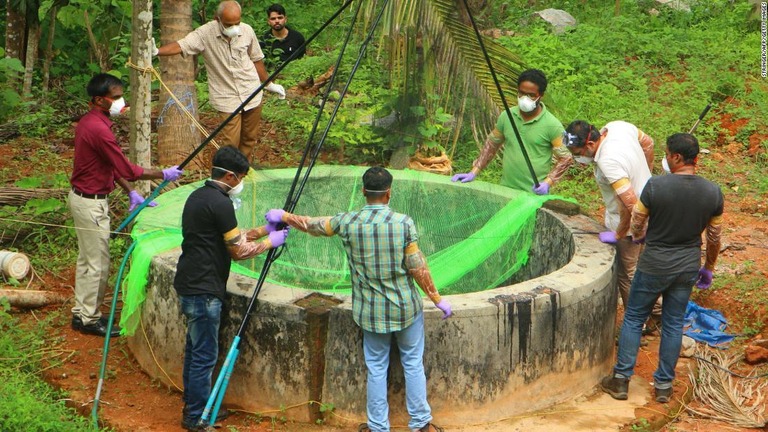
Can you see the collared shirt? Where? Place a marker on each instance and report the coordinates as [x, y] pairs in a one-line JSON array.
[[232, 75], [384, 296], [207, 222], [99, 160], [542, 137]]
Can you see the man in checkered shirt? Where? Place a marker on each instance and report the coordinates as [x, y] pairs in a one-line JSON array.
[[385, 265]]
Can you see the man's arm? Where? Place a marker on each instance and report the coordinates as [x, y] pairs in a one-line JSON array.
[[240, 248], [638, 225], [493, 142], [626, 194], [315, 226], [170, 49], [261, 70], [647, 144], [713, 241], [123, 183], [417, 267], [563, 160]]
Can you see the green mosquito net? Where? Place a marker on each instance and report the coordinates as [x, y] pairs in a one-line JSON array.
[[476, 236]]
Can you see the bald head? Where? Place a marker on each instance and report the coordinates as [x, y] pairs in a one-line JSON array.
[[228, 12]]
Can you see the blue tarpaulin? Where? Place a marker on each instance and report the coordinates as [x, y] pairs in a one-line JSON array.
[[705, 325]]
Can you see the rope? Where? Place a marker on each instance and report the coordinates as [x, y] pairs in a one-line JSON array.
[[156, 74], [61, 226]]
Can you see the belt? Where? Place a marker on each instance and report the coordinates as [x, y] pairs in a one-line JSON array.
[[89, 196]]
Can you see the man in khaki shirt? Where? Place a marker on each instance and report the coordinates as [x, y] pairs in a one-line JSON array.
[[234, 62]]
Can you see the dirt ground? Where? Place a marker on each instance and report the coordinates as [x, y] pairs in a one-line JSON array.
[[132, 401]]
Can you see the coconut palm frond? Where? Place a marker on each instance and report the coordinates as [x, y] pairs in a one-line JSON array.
[[432, 49]]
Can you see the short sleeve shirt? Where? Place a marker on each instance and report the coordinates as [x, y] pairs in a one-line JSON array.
[[680, 208], [282, 48], [232, 75], [384, 296], [619, 156], [539, 135], [208, 217]]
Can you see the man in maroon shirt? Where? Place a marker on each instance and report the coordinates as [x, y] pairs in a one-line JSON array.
[[100, 164]]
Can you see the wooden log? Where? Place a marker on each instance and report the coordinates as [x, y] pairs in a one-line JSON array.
[[14, 196], [31, 299]]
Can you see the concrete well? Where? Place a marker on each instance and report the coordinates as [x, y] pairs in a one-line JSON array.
[[545, 336]]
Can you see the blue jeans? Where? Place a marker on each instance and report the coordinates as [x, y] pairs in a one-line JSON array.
[[410, 342], [203, 314], [675, 290]]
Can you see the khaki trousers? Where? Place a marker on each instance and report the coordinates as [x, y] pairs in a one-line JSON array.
[[92, 227], [243, 131], [628, 253]]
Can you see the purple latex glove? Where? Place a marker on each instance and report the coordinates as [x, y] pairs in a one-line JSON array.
[[705, 278], [278, 237], [172, 174], [274, 216], [137, 199], [608, 237], [444, 306], [543, 188], [464, 177], [270, 227]]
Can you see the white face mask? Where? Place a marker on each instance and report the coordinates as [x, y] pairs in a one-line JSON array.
[[526, 104], [665, 166], [230, 31], [584, 160], [235, 191], [117, 107]]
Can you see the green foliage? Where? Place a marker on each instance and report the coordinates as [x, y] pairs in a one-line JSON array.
[[27, 402], [10, 70]]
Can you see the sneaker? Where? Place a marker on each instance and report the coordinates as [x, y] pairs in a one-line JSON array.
[[196, 426], [616, 387], [663, 395], [222, 415], [426, 428]]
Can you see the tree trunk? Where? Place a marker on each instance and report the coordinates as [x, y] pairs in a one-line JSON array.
[[177, 135], [31, 299], [141, 110], [33, 43], [15, 28], [13, 196], [49, 50]]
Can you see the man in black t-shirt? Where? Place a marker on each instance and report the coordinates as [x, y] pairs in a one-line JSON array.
[[211, 240], [678, 208], [280, 41]]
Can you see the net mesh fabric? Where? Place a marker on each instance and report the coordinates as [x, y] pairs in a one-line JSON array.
[[475, 236]]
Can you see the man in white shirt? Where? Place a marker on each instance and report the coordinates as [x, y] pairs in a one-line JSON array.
[[235, 67], [623, 157]]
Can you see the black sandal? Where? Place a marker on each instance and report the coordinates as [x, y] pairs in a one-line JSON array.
[[363, 428], [425, 428]]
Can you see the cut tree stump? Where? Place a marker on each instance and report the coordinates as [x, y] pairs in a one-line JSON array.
[[31, 299]]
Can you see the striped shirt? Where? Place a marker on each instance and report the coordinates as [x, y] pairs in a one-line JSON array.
[[232, 75], [384, 296]]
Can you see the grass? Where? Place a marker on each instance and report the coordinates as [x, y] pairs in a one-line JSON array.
[[27, 402]]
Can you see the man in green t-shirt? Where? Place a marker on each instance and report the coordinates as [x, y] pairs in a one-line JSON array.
[[542, 137]]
